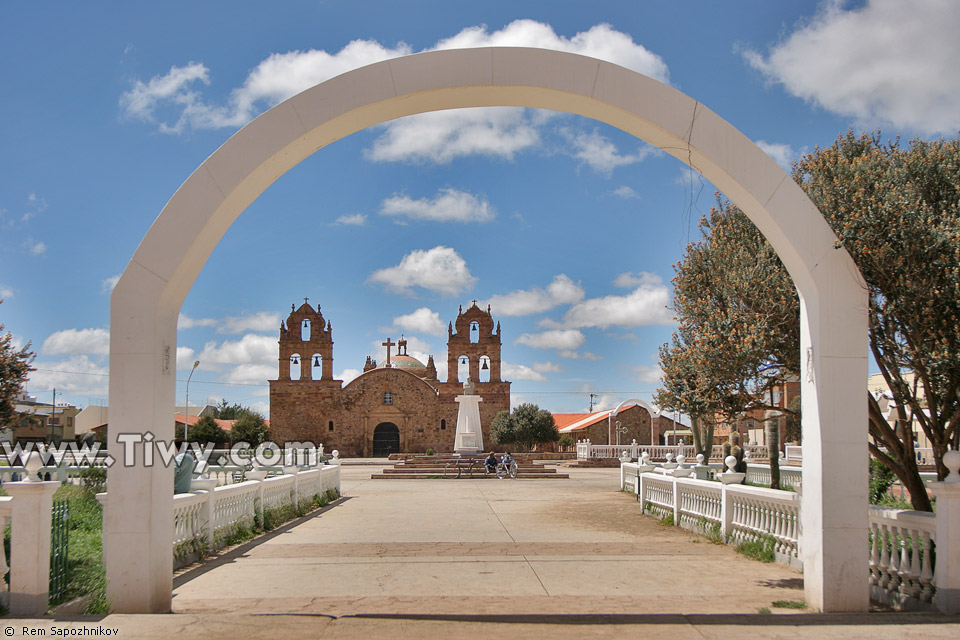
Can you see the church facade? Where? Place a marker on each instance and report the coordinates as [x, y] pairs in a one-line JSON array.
[[396, 406]]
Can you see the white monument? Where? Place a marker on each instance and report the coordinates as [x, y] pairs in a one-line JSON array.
[[468, 439]]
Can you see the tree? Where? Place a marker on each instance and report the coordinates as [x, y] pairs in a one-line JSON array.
[[224, 411], [14, 369], [526, 426], [250, 428], [895, 210], [205, 431], [738, 319]]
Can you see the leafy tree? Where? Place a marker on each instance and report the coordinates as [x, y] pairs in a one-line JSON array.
[[526, 426], [14, 368], [235, 411], [205, 430], [250, 428], [897, 211], [738, 318]]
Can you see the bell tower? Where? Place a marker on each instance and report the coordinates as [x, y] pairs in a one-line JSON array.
[[306, 341], [475, 340]]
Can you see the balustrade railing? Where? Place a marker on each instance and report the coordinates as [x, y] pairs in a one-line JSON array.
[[586, 450], [902, 557]]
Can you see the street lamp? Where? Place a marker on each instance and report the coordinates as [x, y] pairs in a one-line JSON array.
[[186, 407]]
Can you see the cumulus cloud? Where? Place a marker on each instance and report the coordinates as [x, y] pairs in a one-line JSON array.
[[77, 375], [522, 302], [567, 339], [520, 372], [185, 358], [174, 101], [440, 270], [5, 291], [629, 280], [547, 367], [423, 320], [251, 373], [347, 375], [599, 153], [107, 284], [625, 192], [783, 154], [883, 61], [578, 355], [442, 136], [77, 342], [352, 220], [186, 322], [647, 373], [260, 321], [646, 305], [449, 205], [35, 248], [250, 349]]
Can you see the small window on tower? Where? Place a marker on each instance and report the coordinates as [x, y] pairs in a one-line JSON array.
[[387, 397], [331, 425], [443, 424]]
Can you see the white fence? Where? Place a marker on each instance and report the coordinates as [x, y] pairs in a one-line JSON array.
[[903, 544], [735, 513], [587, 450]]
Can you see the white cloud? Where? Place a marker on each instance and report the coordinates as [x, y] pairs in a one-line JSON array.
[[251, 373], [783, 154], [547, 367], [449, 205], [35, 248], [647, 373], [260, 321], [5, 291], [578, 355], [554, 339], [186, 322], [107, 284], [347, 375], [185, 358], [250, 349], [352, 220], [174, 102], [883, 61], [599, 153], [625, 192], [442, 136], [78, 375], [630, 280], [440, 270], [520, 372], [562, 290], [77, 342], [423, 320], [646, 305]]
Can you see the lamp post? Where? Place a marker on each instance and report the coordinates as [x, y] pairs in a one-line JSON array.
[[186, 406]]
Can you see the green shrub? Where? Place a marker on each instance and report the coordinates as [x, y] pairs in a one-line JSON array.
[[430, 452], [790, 604], [93, 479], [881, 479], [761, 549]]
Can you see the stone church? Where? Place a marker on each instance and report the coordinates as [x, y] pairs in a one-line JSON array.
[[396, 406]]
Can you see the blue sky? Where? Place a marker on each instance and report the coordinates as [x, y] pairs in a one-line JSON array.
[[567, 227]]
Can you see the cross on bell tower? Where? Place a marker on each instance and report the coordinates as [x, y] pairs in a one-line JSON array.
[[388, 344]]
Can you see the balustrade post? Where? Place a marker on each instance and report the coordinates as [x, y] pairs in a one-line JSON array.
[[30, 545], [676, 502], [726, 511], [947, 571], [208, 515]]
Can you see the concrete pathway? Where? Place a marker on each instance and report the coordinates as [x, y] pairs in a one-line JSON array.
[[481, 559]]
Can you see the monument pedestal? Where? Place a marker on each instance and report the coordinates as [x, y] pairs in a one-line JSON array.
[[469, 438]]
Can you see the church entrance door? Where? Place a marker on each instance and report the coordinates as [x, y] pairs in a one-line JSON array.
[[386, 440]]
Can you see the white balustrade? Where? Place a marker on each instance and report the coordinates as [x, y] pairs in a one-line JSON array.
[[902, 551]]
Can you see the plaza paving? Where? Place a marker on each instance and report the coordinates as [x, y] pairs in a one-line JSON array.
[[467, 558]]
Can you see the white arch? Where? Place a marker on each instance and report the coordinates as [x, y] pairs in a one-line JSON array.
[[146, 301], [613, 414]]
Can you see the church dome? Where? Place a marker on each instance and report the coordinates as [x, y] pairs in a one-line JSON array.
[[406, 362]]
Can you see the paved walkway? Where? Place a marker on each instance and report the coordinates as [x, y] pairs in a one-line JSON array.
[[479, 559]]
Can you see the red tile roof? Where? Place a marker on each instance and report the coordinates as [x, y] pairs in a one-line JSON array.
[[569, 422]]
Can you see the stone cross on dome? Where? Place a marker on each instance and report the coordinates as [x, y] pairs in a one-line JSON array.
[[388, 344]]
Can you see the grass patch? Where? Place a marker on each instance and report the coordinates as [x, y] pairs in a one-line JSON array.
[[667, 520], [764, 611], [790, 604], [712, 531], [761, 549], [85, 572]]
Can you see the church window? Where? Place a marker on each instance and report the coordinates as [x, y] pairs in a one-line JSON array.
[[484, 369], [443, 424], [305, 331], [387, 397], [331, 426], [474, 332]]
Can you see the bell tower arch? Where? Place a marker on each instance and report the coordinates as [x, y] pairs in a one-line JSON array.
[[307, 337]]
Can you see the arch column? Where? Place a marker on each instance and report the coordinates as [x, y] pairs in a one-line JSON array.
[[138, 523]]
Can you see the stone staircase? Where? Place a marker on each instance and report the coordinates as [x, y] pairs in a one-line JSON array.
[[434, 467]]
